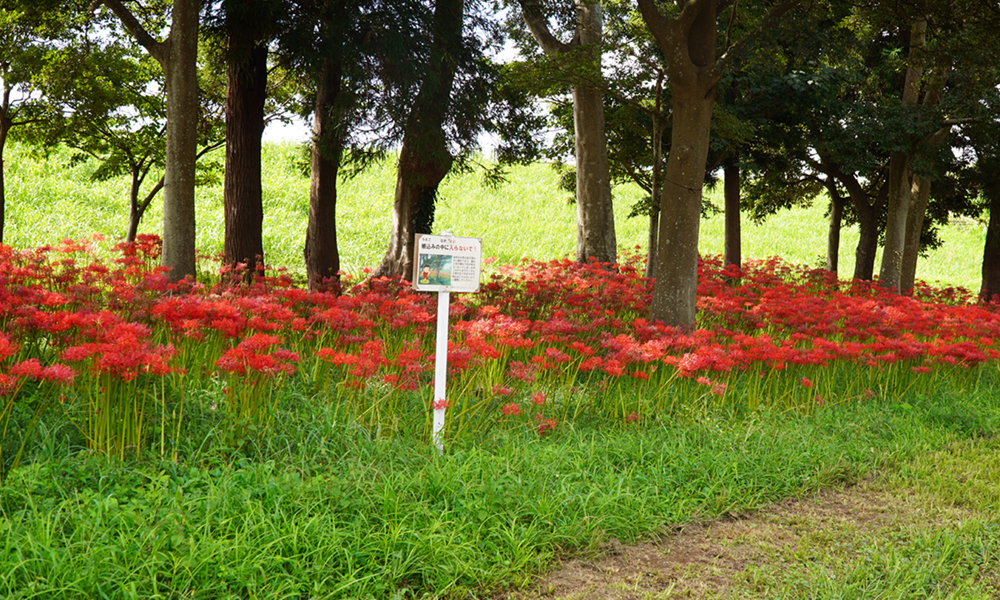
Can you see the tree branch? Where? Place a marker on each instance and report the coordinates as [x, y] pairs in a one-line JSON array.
[[658, 25], [537, 24], [158, 50]]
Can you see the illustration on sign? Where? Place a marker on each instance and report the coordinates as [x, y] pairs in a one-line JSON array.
[[447, 263]]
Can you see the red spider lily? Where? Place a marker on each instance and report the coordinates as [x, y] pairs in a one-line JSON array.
[[440, 404], [538, 398], [545, 425], [30, 368], [522, 371], [511, 409], [7, 384], [252, 355]]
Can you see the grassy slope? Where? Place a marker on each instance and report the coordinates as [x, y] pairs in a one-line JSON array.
[[527, 216]]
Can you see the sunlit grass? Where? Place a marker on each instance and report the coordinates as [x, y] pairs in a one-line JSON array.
[[527, 216]]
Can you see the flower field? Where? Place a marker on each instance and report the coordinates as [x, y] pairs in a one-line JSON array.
[[94, 335]]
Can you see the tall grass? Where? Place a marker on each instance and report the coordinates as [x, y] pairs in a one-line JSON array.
[[528, 216]]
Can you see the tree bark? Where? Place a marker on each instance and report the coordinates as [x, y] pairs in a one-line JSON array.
[[731, 190], [322, 256], [835, 226], [900, 175], [688, 46], [424, 159], [914, 226], [246, 75], [3, 193], [990, 289], [868, 220], [921, 186], [183, 115], [5, 125], [595, 212], [178, 56], [595, 217], [656, 178]]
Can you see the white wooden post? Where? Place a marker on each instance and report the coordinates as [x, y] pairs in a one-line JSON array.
[[440, 370]]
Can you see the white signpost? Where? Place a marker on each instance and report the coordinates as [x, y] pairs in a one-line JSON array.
[[444, 264]]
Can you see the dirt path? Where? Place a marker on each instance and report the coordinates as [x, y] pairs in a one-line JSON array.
[[743, 557]]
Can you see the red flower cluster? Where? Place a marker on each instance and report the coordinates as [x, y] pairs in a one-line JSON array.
[[534, 326]]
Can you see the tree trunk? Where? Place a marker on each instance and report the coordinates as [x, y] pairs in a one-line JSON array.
[[868, 222], [914, 227], [990, 289], [246, 76], [5, 125], [3, 194], [900, 175], [675, 288], [133, 207], [595, 220], [836, 225], [656, 179], [921, 189], [424, 159], [178, 57], [731, 190], [183, 114], [322, 255], [868, 214], [688, 46]]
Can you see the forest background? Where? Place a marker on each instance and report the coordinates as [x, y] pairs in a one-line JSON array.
[[883, 112]]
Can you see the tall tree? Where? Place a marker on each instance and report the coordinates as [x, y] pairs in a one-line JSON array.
[[243, 30], [178, 56], [688, 41], [354, 55], [581, 60], [424, 159]]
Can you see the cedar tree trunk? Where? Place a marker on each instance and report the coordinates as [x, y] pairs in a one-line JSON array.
[[246, 76], [424, 159], [322, 256]]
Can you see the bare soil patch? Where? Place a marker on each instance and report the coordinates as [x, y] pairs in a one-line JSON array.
[[725, 558]]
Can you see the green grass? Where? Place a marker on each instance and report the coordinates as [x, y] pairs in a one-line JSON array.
[[526, 217], [323, 510]]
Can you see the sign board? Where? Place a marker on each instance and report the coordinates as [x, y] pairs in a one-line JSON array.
[[446, 263]]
